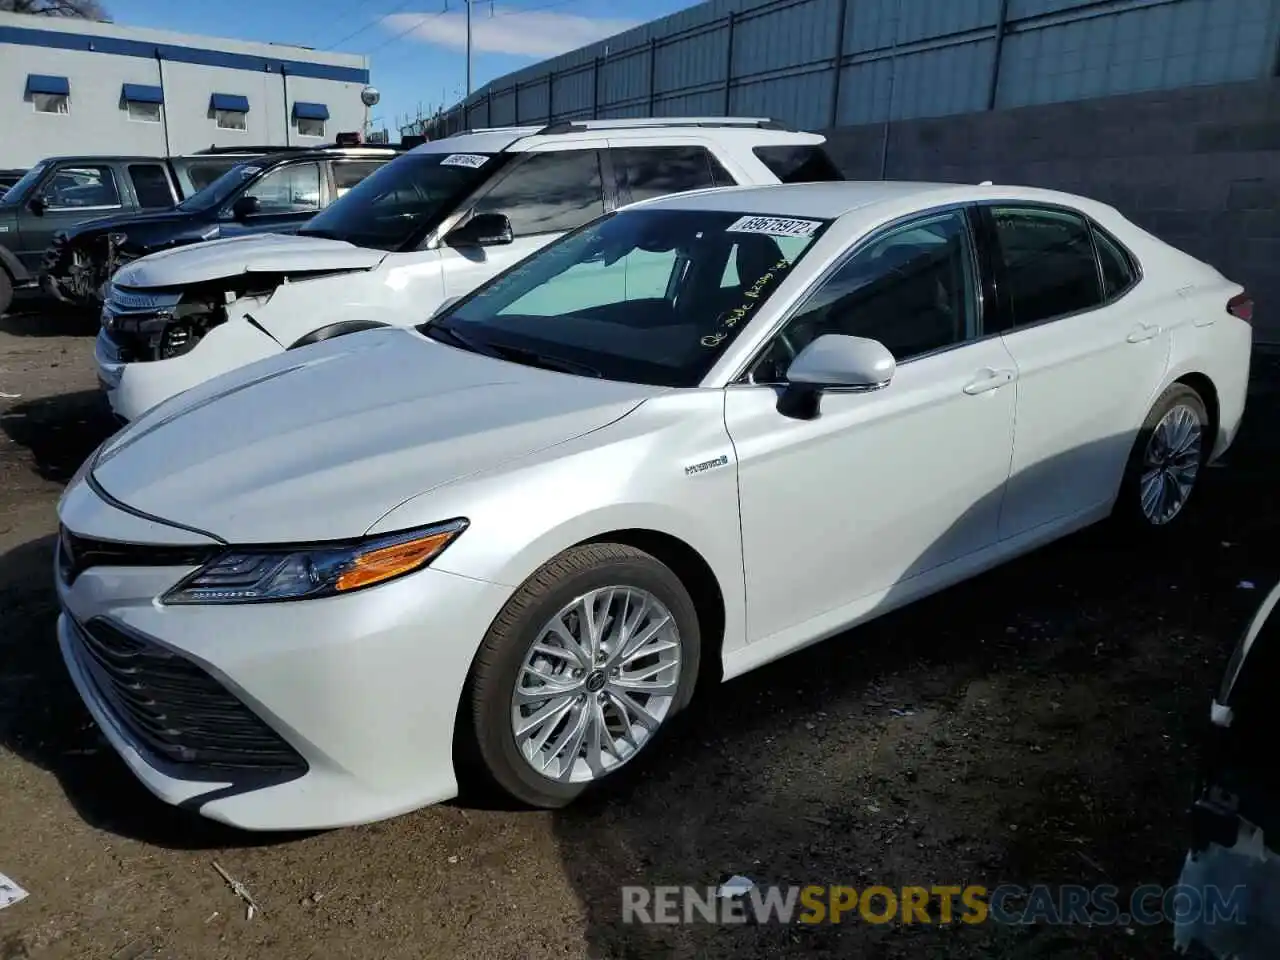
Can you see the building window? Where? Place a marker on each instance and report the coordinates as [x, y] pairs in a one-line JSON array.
[[310, 118], [143, 103], [230, 111], [49, 94]]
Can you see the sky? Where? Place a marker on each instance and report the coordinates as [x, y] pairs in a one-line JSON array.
[[415, 47]]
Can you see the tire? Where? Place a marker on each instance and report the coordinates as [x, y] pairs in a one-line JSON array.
[[6, 291], [500, 665], [1129, 509]]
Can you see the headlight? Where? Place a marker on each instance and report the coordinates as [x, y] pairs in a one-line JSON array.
[[258, 575]]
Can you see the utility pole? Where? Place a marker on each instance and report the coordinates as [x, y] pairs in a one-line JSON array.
[[468, 3]]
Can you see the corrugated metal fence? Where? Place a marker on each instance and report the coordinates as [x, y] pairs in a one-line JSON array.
[[825, 63]]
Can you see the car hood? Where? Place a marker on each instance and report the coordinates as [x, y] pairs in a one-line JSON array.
[[259, 253], [319, 443], [123, 222]]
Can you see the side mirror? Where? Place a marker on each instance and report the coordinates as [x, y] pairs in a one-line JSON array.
[[834, 362], [482, 230], [246, 207], [38, 204]]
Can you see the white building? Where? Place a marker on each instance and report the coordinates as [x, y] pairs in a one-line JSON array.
[[81, 87]]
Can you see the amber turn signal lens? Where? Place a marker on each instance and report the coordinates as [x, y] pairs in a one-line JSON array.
[[387, 562]]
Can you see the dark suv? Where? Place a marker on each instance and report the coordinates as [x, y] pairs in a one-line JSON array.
[[60, 192], [276, 193]]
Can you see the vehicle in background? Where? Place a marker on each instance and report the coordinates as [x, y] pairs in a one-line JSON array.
[[8, 178], [60, 192], [441, 219], [274, 193], [708, 429], [1235, 820]]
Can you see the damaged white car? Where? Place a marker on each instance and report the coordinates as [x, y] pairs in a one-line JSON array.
[[430, 226]]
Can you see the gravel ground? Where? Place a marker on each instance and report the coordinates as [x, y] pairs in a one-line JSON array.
[[1038, 724]]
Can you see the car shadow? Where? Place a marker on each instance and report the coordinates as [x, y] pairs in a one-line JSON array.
[[1036, 724], [59, 431], [29, 317]]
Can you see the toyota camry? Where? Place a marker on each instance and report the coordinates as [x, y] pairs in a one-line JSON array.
[[686, 439]]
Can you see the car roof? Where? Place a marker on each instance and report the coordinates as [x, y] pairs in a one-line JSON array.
[[831, 199], [745, 131]]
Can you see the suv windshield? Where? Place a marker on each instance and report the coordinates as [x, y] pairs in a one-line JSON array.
[[218, 191], [403, 199], [646, 296], [17, 193]]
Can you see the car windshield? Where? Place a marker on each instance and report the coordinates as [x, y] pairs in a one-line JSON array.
[[403, 199], [17, 193], [646, 296], [218, 191]]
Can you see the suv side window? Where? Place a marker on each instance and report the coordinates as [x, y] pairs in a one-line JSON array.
[[1118, 272], [1049, 267], [912, 288], [81, 187], [548, 193], [347, 173], [151, 184], [645, 172], [801, 163], [294, 188]]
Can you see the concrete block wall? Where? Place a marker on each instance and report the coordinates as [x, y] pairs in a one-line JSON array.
[[1199, 167]]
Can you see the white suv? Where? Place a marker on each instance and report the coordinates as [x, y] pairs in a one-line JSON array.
[[430, 226]]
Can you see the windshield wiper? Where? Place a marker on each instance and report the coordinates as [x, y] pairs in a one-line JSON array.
[[532, 358], [453, 338]]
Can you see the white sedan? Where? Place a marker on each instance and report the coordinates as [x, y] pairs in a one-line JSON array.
[[692, 436]]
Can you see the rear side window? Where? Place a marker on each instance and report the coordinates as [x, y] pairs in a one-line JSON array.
[[645, 172], [151, 184], [799, 163], [1049, 266], [347, 173], [1118, 272], [203, 174], [548, 193]]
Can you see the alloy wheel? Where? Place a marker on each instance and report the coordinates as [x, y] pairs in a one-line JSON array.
[[1170, 464]]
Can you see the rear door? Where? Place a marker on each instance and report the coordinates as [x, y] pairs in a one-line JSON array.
[[1090, 358], [544, 194]]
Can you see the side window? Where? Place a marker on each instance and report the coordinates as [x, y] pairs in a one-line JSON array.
[[347, 173], [1118, 274], [801, 163], [79, 187], [203, 174], [645, 172], [290, 189], [1049, 266], [911, 288], [548, 193], [151, 184]]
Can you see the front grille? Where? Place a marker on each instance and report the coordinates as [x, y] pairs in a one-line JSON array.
[[77, 554], [177, 710]]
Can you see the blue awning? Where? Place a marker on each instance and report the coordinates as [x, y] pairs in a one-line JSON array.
[[229, 101], [310, 111], [141, 93], [43, 83]]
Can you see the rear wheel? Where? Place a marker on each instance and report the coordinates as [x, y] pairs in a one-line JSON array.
[[1166, 461], [581, 672]]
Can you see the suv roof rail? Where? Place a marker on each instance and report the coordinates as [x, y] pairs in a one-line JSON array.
[[578, 126], [292, 148], [513, 128], [259, 148]]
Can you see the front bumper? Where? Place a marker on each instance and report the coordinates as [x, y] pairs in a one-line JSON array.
[[364, 688]]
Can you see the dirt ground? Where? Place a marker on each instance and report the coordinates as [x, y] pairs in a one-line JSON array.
[[1038, 725]]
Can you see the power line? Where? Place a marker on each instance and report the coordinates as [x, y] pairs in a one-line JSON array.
[[409, 29], [372, 23]]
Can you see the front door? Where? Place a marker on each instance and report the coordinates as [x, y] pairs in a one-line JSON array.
[[73, 192], [544, 195], [1089, 361], [287, 196], [839, 511]]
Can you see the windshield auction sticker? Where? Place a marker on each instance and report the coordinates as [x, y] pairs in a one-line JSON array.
[[775, 226], [472, 160]]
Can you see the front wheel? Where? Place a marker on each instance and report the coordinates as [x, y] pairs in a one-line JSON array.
[[581, 671], [1166, 461]]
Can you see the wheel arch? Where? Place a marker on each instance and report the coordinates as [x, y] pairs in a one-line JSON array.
[[1204, 386]]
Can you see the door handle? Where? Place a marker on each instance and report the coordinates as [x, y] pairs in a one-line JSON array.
[[989, 380], [1143, 332]]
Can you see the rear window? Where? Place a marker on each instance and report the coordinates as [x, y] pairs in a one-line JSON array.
[[799, 163]]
